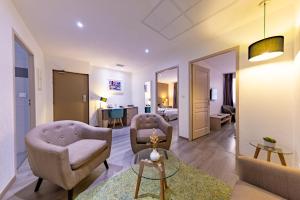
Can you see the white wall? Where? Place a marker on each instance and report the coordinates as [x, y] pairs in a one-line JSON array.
[[9, 21], [216, 81], [99, 78], [266, 89], [98, 83]]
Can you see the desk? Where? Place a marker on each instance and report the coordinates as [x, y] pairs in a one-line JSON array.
[[103, 115]]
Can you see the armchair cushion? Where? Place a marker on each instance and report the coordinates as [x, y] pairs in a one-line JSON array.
[[143, 135], [246, 191], [82, 151]]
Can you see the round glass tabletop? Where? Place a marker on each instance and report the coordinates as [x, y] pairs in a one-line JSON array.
[[276, 149], [171, 164]]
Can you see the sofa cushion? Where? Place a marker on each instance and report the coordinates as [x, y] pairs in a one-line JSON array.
[[143, 135], [246, 191], [83, 151]]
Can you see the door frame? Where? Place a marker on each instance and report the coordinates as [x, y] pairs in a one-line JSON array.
[[63, 71], [237, 50], [178, 92], [31, 78]]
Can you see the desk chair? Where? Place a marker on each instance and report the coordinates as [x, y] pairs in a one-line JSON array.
[[116, 115]]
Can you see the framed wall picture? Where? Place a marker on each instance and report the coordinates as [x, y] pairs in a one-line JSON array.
[[115, 86]]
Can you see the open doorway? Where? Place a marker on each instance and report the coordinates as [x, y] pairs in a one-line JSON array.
[[214, 97], [24, 97], [167, 97]]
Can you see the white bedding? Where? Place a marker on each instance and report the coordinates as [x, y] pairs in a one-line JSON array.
[[170, 113]]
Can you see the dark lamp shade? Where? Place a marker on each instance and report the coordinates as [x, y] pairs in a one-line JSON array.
[[266, 49]]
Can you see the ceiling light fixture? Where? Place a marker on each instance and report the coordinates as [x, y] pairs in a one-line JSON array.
[[120, 65], [147, 51], [79, 24], [266, 48]]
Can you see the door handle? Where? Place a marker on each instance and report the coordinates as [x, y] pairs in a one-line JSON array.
[[84, 98]]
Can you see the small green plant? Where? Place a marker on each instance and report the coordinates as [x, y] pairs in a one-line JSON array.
[[268, 139]]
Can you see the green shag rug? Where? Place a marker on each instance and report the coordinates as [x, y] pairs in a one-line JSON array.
[[188, 184]]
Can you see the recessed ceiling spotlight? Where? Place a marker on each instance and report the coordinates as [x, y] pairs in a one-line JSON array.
[[147, 51], [79, 24], [120, 65]]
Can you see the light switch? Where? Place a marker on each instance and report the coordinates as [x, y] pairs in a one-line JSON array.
[[22, 95]]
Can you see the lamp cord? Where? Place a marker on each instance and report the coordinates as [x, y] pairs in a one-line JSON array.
[[264, 19]]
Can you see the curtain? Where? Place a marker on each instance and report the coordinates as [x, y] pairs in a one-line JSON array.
[[175, 96], [227, 93]]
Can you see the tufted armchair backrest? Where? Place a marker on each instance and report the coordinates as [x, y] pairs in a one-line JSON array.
[[148, 121], [60, 133]]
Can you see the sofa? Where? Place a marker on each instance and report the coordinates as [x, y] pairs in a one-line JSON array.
[[229, 110], [262, 180], [141, 129], [65, 152]]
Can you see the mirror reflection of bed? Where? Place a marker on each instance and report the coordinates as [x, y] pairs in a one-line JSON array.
[[167, 97]]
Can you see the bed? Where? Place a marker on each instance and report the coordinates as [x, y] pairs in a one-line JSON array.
[[168, 113]]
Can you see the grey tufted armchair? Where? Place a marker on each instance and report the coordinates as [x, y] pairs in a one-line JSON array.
[[65, 152], [141, 129]]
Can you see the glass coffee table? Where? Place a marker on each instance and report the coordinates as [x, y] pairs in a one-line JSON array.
[[166, 167], [279, 150]]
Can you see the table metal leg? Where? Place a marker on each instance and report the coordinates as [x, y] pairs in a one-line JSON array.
[[282, 160]]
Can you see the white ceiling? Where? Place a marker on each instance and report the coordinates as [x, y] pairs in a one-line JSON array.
[[118, 31], [224, 63], [167, 76], [172, 18]]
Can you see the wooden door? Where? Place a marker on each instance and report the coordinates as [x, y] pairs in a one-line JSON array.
[[70, 96], [200, 101]]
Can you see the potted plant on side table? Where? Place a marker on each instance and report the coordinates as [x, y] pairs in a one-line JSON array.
[[269, 142]]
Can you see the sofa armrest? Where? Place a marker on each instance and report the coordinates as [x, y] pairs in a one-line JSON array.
[[97, 133], [281, 180], [165, 126], [133, 130], [49, 161], [166, 129]]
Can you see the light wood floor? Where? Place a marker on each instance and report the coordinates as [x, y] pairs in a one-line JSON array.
[[213, 154]]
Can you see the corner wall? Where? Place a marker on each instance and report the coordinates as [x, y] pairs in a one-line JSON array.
[[11, 21]]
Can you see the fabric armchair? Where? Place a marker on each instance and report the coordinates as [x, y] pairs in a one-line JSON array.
[[142, 127], [229, 110], [260, 179], [65, 152]]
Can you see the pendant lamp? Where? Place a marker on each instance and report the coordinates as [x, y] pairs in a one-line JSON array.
[[266, 48]]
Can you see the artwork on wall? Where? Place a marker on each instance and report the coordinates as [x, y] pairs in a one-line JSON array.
[[115, 86]]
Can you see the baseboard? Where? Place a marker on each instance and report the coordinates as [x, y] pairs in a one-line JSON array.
[[7, 187]]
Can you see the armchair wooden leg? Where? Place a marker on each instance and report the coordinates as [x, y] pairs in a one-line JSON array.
[[106, 165], [70, 194], [38, 184]]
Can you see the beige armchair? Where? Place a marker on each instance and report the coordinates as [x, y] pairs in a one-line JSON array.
[[141, 129], [262, 180], [65, 152]]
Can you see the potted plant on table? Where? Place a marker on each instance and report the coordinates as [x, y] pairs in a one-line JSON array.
[[154, 139], [269, 142]]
